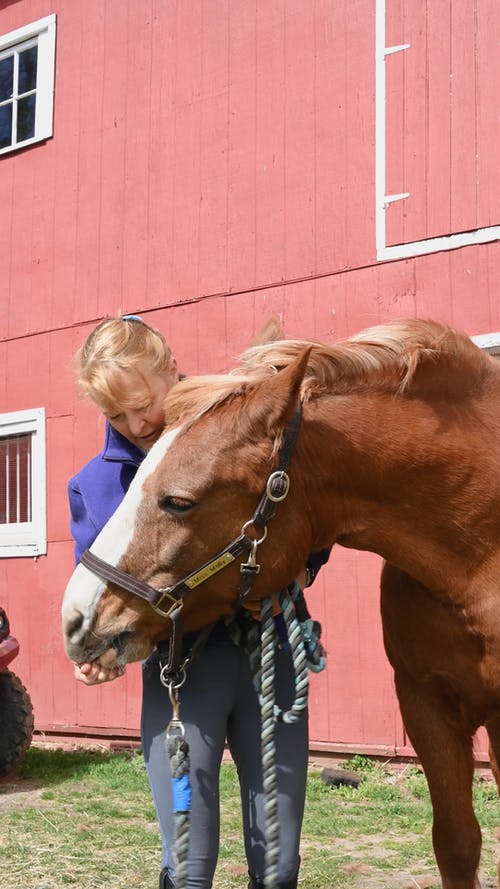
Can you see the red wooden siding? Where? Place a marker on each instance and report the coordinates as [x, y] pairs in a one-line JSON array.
[[213, 164]]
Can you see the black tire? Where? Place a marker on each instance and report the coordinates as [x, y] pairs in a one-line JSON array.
[[16, 721]]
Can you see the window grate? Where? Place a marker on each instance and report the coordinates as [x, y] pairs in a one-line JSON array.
[[15, 479]]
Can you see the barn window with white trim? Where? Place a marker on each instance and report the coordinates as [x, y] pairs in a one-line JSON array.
[[27, 84], [22, 484]]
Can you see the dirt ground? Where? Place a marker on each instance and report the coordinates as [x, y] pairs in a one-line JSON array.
[[16, 794]]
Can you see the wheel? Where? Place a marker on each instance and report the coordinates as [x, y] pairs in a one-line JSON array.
[[16, 718]]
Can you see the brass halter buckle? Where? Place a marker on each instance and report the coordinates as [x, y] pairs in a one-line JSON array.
[[165, 594], [278, 486]]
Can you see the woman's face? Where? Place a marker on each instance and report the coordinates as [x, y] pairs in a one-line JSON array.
[[143, 423]]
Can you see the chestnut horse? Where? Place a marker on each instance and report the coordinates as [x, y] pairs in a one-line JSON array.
[[398, 452]]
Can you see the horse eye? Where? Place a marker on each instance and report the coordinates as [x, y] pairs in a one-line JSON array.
[[175, 505]]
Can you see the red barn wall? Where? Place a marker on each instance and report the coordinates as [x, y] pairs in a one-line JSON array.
[[213, 164]]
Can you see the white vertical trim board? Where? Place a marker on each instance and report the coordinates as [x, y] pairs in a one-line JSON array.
[[46, 73]]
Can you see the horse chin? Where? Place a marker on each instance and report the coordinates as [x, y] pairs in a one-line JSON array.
[[134, 649]]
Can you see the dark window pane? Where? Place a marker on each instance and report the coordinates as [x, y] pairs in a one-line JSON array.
[[6, 78], [5, 125], [26, 118], [27, 70]]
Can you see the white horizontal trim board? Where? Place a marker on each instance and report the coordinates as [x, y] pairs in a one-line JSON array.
[[490, 342]]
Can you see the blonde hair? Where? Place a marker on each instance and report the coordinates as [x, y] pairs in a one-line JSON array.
[[117, 348]]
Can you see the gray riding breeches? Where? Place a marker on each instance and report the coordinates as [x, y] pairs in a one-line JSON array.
[[219, 702]]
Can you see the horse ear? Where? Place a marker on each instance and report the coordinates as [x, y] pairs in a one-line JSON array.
[[274, 401], [270, 333]]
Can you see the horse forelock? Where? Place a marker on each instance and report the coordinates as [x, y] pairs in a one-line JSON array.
[[387, 355], [195, 396]]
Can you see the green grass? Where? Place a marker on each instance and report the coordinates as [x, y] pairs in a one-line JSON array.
[[86, 820]]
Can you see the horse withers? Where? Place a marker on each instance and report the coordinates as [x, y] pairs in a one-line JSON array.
[[398, 453]]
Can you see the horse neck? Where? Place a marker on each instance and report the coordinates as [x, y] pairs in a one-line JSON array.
[[399, 485]]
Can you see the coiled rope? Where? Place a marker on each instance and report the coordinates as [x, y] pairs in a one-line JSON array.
[[178, 751], [271, 714], [260, 644]]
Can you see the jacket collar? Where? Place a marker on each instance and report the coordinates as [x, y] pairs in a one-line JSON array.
[[119, 449]]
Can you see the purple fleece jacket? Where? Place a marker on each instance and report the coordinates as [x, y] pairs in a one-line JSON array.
[[98, 489]]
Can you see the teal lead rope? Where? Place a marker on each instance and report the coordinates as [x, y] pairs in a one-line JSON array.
[[272, 714], [178, 751], [307, 654], [310, 631], [267, 744], [260, 643]]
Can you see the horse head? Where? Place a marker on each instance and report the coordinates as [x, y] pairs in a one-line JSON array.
[[196, 489]]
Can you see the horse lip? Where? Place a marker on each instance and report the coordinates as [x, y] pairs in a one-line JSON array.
[[118, 642]]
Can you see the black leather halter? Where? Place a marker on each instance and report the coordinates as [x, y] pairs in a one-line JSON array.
[[277, 487]]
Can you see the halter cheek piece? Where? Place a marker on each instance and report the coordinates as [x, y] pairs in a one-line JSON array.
[[277, 487]]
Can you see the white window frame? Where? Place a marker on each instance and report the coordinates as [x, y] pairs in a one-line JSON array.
[[383, 200], [43, 32], [28, 538]]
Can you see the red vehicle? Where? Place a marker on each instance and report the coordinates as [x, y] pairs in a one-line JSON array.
[[16, 711]]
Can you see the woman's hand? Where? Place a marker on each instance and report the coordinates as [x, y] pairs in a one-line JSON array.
[[95, 673], [255, 606]]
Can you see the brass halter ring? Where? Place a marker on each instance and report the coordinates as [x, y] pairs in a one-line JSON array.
[[173, 684]]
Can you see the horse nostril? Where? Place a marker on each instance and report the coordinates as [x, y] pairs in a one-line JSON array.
[[74, 625]]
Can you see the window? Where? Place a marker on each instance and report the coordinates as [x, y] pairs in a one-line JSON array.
[[22, 484], [27, 84]]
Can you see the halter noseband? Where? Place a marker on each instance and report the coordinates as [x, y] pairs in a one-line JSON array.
[[277, 487]]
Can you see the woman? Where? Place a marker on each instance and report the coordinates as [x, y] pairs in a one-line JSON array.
[[126, 368]]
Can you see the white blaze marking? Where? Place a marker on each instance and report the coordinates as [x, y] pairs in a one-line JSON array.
[[85, 589]]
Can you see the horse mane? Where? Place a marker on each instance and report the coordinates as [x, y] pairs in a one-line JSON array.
[[386, 355], [389, 356]]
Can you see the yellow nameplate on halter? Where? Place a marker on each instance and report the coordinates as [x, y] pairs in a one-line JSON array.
[[208, 570]]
